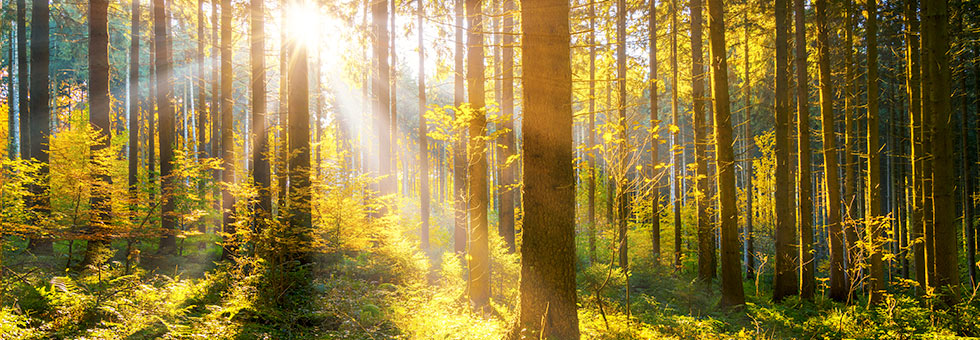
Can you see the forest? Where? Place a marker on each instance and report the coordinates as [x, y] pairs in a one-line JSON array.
[[489, 169]]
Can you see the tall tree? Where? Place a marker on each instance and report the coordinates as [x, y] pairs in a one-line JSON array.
[[508, 148], [134, 100], [873, 231], [40, 111], [731, 273], [935, 46], [24, 114], [748, 142], [165, 97], [548, 307], [201, 107], [785, 280], [381, 89], [622, 188], [300, 210], [459, 149], [423, 135], [838, 279], [98, 61], [391, 181], [593, 158], [676, 147], [851, 176], [227, 133], [479, 249], [807, 280], [261, 168], [654, 128], [706, 239]]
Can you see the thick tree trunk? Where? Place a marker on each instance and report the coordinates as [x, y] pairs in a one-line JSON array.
[[300, 214], [98, 61], [935, 43], [165, 95], [261, 168], [785, 281], [382, 96], [547, 289], [40, 129], [479, 244], [731, 276], [838, 279]]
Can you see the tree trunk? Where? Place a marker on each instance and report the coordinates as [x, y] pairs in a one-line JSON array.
[[851, 174], [391, 181], [807, 280], [40, 129], [838, 279], [935, 45], [654, 127], [547, 289], [423, 137], [731, 276], [479, 249], [24, 114], [98, 61], [134, 104], [300, 214], [623, 185], [676, 146], [749, 142], [165, 95], [508, 173], [227, 133], [785, 280], [874, 226], [459, 151], [706, 240], [261, 168]]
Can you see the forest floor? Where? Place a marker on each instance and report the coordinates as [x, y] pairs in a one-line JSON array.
[[381, 294]]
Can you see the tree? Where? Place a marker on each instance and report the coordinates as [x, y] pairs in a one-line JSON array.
[[24, 116], [40, 129], [227, 133], [459, 151], [164, 87], [98, 60], [593, 158], [838, 280], [479, 249], [134, 102], [877, 275], [622, 187], [935, 46], [548, 307], [851, 176], [261, 171], [706, 239], [382, 96], [785, 280], [300, 209], [423, 137], [508, 149], [731, 273], [676, 148], [807, 280], [654, 131]]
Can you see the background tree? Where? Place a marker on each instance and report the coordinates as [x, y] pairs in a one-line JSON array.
[[479, 243], [785, 280], [40, 118], [806, 258], [99, 119]]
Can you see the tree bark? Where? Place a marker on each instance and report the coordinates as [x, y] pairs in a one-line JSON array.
[[785, 281], [654, 128], [623, 185], [479, 243], [382, 96], [706, 239], [98, 61], [547, 288], [459, 149], [261, 171], [508, 195], [165, 95], [731, 276], [23, 104], [807, 280], [423, 137], [677, 147], [134, 103], [227, 134]]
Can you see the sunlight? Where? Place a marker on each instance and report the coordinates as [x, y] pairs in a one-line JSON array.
[[303, 23]]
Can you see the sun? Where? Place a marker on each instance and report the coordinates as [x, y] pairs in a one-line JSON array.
[[320, 33]]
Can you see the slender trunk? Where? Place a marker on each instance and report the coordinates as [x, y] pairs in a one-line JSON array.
[[423, 137], [24, 114], [785, 281], [850, 166], [676, 148], [654, 126], [749, 142], [623, 185], [98, 61], [134, 102], [874, 226], [227, 134], [706, 242], [838, 279], [508, 172], [731, 276], [807, 280], [459, 149], [392, 120], [165, 95]]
